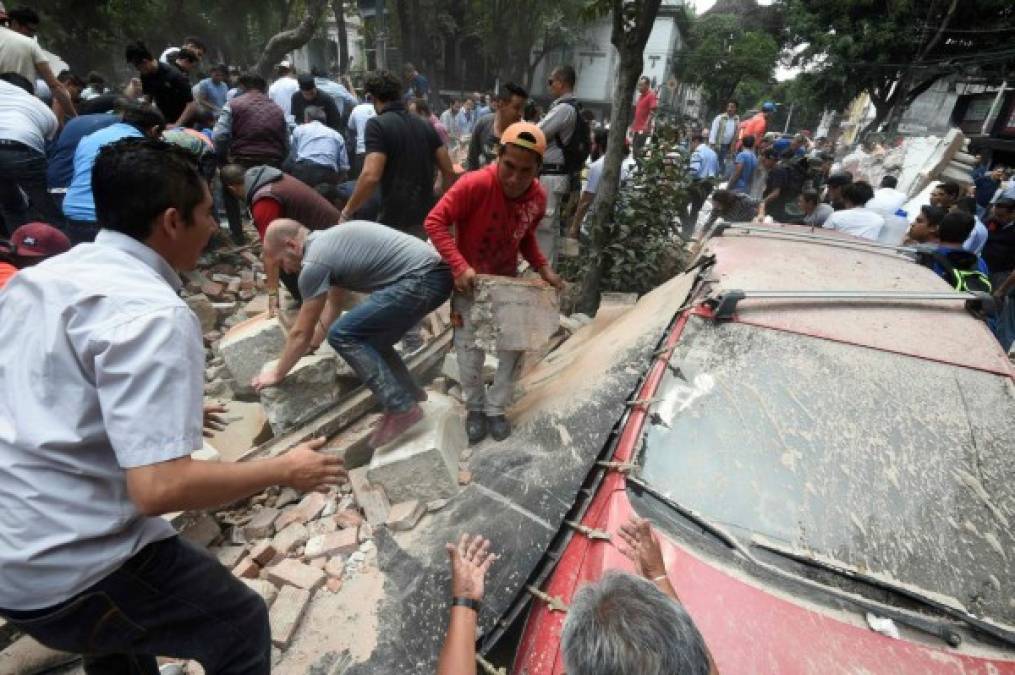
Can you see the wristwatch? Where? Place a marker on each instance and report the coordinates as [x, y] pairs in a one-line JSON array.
[[466, 602]]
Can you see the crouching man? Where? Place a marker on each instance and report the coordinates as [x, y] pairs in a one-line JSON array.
[[495, 212], [406, 280], [100, 410]]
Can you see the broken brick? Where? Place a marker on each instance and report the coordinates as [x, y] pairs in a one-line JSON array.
[[309, 508], [200, 528], [342, 542], [290, 537], [294, 573], [405, 515], [348, 518], [323, 526], [247, 569], [371, 498], [265, 589], [334, 584], [286, 613], [335, 567], [464, 477], [212, 289], [263, 553]]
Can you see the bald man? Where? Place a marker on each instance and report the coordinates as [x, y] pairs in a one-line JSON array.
[[406, 279]]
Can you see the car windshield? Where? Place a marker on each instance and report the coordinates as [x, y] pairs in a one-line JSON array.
[[897, 466]]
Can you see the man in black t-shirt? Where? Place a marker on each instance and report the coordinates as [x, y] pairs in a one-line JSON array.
[[310, 96], [167, 86], [403, 153]]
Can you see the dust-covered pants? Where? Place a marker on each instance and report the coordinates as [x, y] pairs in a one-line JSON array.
[[548, 230], [470, 366]]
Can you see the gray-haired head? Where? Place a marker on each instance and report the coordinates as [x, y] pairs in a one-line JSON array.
[[315, 113], [624, 624]]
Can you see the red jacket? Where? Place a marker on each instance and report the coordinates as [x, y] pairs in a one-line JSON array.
[[490, 229]]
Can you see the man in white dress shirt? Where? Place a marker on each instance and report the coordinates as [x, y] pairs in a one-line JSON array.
[[100, 410]]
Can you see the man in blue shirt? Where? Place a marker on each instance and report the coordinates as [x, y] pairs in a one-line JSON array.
[[317, 154], [704, 168], [946, 256], [743, 171], [211, 91], [61, 153], [139, 119]]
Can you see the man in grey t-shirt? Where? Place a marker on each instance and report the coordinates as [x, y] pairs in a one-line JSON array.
[[406, 280]]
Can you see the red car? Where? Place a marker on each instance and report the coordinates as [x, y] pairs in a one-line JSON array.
[[819, 466]]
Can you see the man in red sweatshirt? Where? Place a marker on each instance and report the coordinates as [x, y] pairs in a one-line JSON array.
[[494, 212]]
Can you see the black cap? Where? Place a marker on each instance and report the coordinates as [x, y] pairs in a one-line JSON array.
[[1005, 203], [839, 179], [306, 82]]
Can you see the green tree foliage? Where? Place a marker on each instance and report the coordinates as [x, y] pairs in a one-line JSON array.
[[639, 251], [724, 55], [898, 49]]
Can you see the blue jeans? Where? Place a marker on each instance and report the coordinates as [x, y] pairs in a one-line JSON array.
[[170, 599], [23, 174], [366, 334]]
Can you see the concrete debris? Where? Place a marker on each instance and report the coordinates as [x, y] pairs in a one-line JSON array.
[[248, 346], [247, 569], [229, 556], [464, 477], [262, 524], [320, 527], [290, 572], [371, 498], [285, 614], [424, 463], [205, 312], [309, 508], [246, 426], [405, 515], [290, 537], [513, 313], [348, 518], [207, 453], [352, 445], [309, 389], [286, 497], [335, 567], [333, 584], [200, 528], [342, 542]]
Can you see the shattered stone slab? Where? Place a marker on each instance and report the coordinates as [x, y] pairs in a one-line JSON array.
[[372, 499], [404, 515], [309, 389], [423, 463], [513, 314], [248, 346]]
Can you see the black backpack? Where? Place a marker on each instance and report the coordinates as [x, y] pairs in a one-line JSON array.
[[960, 269], [577, 149]]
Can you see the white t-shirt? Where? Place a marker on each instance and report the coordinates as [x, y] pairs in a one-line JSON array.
[[859, 222], [19, 54], [24, 118], [887, 201], [281, 92], [358, 119], [596, 172]]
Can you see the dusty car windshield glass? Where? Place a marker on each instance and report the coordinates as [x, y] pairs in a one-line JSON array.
[[888, 463]]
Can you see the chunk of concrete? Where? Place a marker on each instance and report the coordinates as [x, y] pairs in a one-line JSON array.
[[290, 572], [262, 524], [513, 314], [370, 498], [246, 427], [229, 556], [200, 528], [342, 542], [404, 515], [309, 508], [207, 453], [248, 346], [285, 614], [203, 308], [263, 552], [309, 389], [423, 463], [289, 538]]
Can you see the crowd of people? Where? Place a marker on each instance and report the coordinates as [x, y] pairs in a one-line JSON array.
[[965, 234]]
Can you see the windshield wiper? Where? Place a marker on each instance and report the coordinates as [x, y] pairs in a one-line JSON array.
[[1006, 636], [914, 620]]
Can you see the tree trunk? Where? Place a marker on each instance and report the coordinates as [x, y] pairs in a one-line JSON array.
[[632, 24], [282, 43], [338, 7], [882, 109]]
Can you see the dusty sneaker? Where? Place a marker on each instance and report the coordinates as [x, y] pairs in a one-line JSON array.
[[500, 428], [394, 424], [475, 426]]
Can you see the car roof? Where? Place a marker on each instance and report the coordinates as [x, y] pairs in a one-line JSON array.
[[830, 261]]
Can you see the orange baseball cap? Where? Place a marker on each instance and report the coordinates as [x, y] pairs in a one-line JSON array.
[[525, 135]]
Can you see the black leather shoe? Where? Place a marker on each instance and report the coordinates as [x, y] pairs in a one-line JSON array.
[[475, 426], [500, 428]]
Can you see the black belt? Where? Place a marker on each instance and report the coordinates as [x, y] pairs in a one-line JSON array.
[[553, 170], [8, 142]]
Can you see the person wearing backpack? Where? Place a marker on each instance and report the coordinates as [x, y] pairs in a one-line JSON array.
[[568, 141], [944, 254]]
